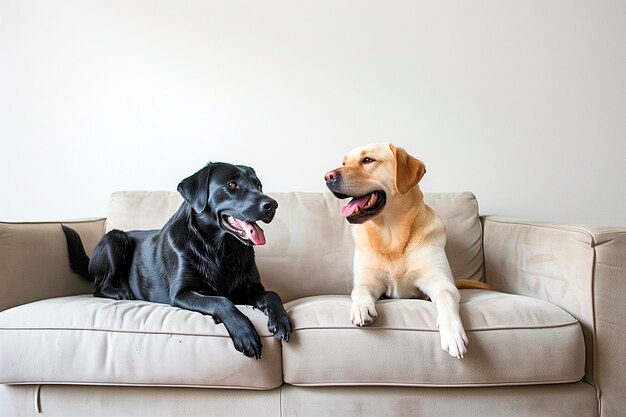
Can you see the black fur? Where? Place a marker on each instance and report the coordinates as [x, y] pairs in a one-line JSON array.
[[196, 261]]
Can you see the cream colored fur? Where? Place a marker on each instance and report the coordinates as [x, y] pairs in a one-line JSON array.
[[400, 252]]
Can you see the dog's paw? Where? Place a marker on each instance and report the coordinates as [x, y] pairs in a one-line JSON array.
[[280, 326], [244, 337], [249, 344], [454, 340], [363, 313]]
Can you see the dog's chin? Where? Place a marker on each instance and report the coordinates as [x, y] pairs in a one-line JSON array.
[[362, 217], [340, 195]]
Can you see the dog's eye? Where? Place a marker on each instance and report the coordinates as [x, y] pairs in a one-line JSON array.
[[232, 185], [367, 160], [260, 187]]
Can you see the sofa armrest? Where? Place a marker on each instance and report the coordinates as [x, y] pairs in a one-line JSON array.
[[34, 263], [582, 269]]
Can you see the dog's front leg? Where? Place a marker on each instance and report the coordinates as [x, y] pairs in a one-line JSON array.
[[368, 288], [434, 279], [278, 321], [363, 310], [453, 337], [239, 327], [442, 291]]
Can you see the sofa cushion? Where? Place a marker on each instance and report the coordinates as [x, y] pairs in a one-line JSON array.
[[514, 340], [88, 340], [309, 247]]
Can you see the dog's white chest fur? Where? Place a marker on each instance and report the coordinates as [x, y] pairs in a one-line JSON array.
[[397, 276], [402, 288]]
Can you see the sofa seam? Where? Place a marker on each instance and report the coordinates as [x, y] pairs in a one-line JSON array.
[[45, 222], [119, 331], [560, 325], [437, 385], [555, 326], [483, 275], [594, 371], [134, 384]]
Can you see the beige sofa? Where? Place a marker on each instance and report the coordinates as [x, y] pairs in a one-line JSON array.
[[550, 341]]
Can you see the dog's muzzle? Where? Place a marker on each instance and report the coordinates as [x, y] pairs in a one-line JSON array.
[[362, 207], [334, 182]]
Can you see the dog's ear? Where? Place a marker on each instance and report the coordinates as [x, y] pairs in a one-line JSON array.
[[408, 170], [195, 189]]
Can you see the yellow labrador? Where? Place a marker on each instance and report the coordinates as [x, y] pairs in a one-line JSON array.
[[399, 240]]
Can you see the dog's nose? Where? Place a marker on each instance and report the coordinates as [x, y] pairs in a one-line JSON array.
[[269, 205], [332, 176], [268, 208]]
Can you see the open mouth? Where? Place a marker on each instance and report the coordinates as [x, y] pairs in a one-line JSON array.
[[359, 209], [246, 231]]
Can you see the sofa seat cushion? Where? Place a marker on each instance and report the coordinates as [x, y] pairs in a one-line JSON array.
[[88, 340], [514, 340]]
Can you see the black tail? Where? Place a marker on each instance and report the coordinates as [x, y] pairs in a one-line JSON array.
[[79, 261]]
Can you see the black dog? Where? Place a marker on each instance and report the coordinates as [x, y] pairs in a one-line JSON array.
[[202, 260]]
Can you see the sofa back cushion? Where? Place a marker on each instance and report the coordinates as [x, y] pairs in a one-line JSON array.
[[309, 246]]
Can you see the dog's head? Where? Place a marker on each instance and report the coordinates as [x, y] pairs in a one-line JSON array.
[[371, 175], [232, 196]]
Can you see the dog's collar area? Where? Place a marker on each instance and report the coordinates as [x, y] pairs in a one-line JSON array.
[[360, 209], [248, 232]]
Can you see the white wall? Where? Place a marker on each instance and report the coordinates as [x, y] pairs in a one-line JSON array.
[[521, 102]]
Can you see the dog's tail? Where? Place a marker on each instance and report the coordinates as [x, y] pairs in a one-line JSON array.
[[79, 261], [470, 284]]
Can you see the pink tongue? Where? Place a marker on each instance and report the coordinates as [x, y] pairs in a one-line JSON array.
[[350, 208], [253, 232]]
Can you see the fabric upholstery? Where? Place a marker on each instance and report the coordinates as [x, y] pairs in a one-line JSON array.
[[34, 263], [580, 268], [118, 343], [116, 401], [141, 210], [310, 248], [514, 340], [88, 340], [563, 400]]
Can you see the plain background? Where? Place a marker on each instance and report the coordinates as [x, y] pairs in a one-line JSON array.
[[521, 102]]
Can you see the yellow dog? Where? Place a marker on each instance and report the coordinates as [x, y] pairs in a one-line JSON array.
[[399, 240]]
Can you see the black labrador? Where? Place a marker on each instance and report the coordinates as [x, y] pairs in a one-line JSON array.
[[201, 260]]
